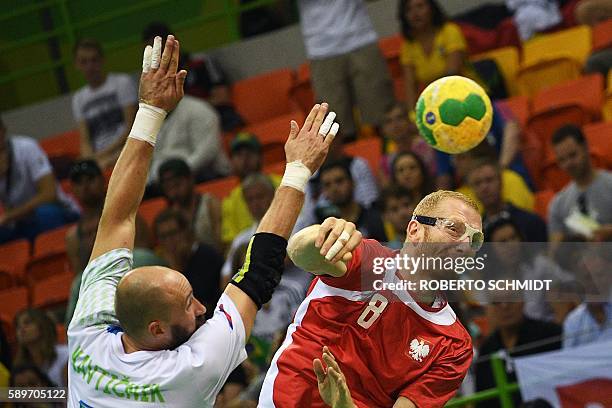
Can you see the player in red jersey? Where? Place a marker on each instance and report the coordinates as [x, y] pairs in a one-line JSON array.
[[396, 348]]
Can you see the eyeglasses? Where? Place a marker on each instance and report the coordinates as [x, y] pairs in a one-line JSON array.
[[457, 230]]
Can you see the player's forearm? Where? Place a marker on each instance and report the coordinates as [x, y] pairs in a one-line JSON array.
[[283, 212]]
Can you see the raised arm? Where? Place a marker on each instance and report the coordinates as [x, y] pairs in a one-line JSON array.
[[161, 88], [305, 150]]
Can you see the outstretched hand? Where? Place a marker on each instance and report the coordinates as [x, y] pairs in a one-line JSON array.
[[310, 144], [160, 84], [331, 382]]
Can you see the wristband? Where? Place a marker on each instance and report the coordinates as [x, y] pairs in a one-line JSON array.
[[296, 175], [148, 121]]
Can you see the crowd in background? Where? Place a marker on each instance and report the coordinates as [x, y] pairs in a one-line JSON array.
[[206, 238]]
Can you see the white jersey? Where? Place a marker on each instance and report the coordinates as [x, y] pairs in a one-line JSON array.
[[101, 374]]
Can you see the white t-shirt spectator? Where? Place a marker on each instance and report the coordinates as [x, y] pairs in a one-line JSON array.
[[191, 132], [337, 27], [55, 371], [28, 164], [102, 374], [102, 109]]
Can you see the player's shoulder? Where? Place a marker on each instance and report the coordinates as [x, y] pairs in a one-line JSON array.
[[371, 248]]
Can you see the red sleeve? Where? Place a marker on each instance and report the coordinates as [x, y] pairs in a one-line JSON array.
[[359, 274], [440, 383]]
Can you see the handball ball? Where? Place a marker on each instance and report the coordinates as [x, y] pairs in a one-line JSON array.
[[453, 114]]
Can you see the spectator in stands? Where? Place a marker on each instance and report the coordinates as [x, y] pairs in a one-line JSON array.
[[203, 211], [401, 136], [515, 334], [503, 143], [584, 206], [514, 190], [205, 79], [30, 376], [591, 12], [37, 345], [32, 199], [507, 256], [104, 108], [432, 48], [365, 186], [485, 179], [591, 321], [347, 67], [89, 188], [246, 159], [409, 171], [200, 263], [563, 297], [397, 205], [534, 16], [337, 185], [258, 192]]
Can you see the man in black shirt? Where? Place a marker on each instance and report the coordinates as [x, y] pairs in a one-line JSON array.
[[485, 179], [337, 186], [517, 335], [200, 263]]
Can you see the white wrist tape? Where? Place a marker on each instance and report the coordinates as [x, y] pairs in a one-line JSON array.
[[148, 121], [296, 175]]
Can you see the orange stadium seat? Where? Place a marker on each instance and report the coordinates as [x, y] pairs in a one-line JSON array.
[[519, 106], [151, 208], [542, 201], [265, 96], [273, 133], [61, 332], [577, 102], [13, 301], [607, 108], [52, 291], [42, 268], [51, 242], [7, 279], [274, 168], [219, 188], [369, 149], [602, 35], [550, 59], [64, 144], [301, 91], [507, 59], [390, 48], [599, 137], [14, 257]]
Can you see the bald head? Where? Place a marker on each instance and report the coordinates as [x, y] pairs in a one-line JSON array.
[[147, 294]]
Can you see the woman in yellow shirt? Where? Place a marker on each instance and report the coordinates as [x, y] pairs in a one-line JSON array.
[[432, 47]]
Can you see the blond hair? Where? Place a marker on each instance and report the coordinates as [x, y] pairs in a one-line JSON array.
[[431, 201]]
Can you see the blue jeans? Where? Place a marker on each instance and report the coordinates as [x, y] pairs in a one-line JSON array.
[[44, 218]]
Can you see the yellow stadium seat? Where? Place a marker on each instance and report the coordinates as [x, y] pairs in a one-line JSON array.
[[553, 58], [507, 59]]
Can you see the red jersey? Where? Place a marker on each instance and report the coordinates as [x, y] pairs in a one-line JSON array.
[[386, 344]]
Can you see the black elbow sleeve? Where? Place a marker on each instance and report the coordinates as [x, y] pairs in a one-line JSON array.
[[262, 268]]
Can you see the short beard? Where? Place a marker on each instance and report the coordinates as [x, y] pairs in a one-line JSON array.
[[180, 335]]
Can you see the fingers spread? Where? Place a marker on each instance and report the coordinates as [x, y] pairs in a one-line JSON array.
[[175, 58], [327, 225], [316, 125], [317, 366], [327, 124], [339, 244], [332, 133], [156, 53], [146, 59], [167, 55], [332, 237], [311, 117]]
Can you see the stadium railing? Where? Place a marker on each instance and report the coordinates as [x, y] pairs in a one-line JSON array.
[[66, 29]]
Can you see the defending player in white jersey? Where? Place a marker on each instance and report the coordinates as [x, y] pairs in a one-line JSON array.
[[138, 337], [396, 348]]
